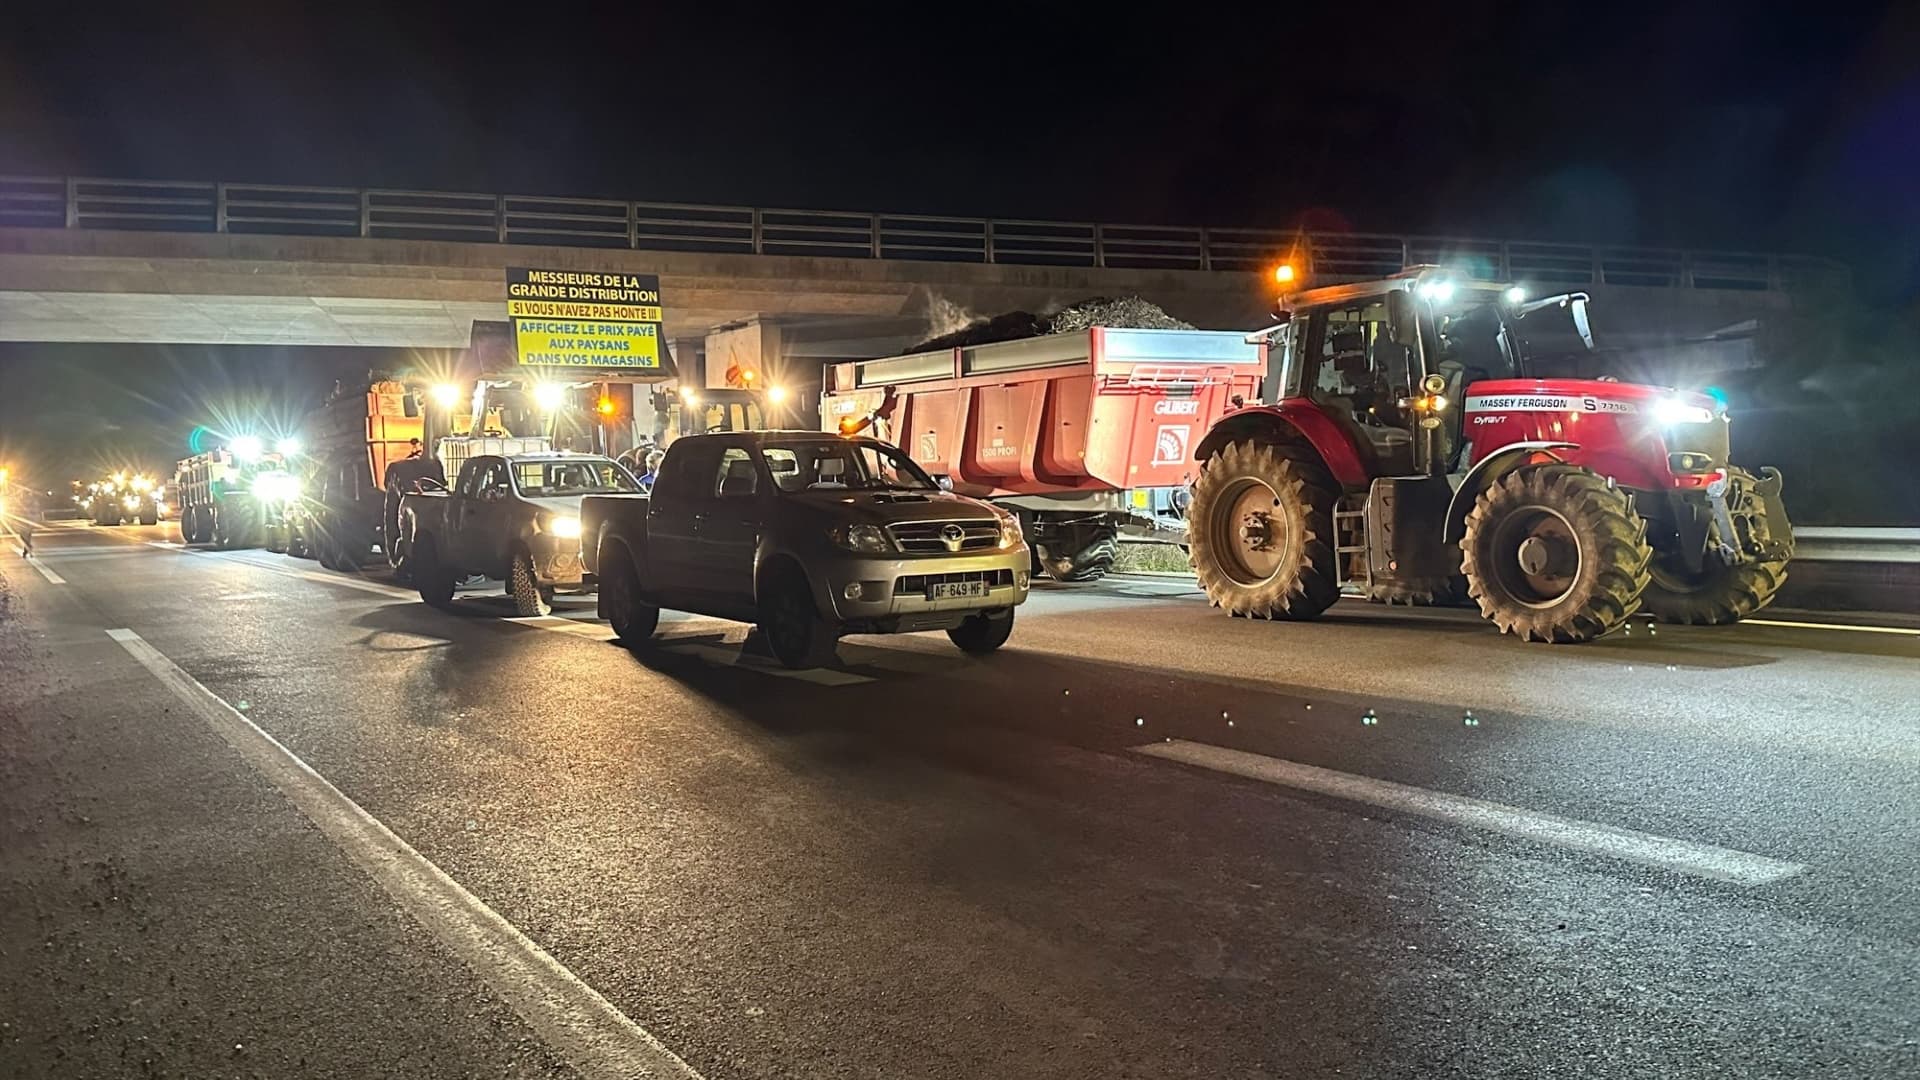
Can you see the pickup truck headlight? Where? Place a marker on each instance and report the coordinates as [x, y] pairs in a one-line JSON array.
[[567, 528], [866, 539], [1010, 535]]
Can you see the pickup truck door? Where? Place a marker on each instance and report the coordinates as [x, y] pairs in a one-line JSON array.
[[478, 503], [680, 495], [729, 527]]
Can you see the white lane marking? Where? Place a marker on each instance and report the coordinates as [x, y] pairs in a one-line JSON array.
[[1683, 856], [46, 571], [597, 1039], [1902, 630], [560, 624]]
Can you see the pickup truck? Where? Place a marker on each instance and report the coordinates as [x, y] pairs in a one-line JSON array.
[[511, 517], [810, 535]]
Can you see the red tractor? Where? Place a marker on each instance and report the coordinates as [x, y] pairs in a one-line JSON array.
[[1411, 452]]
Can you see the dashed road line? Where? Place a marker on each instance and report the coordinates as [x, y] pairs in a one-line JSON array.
[[1646, 849], [1905, 631], [598, 1040]]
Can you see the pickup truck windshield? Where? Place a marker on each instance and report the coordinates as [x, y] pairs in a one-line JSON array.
[[542, 479], [839, 466]]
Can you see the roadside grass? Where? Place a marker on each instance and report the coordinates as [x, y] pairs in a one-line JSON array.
[[1157, 558]]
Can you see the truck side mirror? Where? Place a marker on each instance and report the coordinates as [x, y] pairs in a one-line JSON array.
[[1578, 309]]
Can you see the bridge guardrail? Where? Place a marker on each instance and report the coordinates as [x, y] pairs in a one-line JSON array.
[[1860, 545], [284, 210]]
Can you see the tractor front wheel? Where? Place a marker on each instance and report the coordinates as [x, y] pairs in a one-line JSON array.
[[1260, 531], [1553, 553], [1716, 595]]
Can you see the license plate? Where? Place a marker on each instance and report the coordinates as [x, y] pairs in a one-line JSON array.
[[956, 590]]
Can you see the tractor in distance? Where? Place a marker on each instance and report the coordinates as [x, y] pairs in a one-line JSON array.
[[1407, 448]]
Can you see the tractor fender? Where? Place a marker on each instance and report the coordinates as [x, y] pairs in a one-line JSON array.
[[1484, 472], [1290, 422]]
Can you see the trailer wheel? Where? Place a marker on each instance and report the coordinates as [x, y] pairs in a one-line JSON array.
[[529, 597], [621, 604], [1260, 530], [434, 579], [1080, 553], [981, 634], [795, 632], [1553, 553], [190, 525], [1717, 595], [151, 517]]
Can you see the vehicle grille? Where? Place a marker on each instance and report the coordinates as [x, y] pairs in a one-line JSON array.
[[923, 537], [1711, 439], [913, 583]]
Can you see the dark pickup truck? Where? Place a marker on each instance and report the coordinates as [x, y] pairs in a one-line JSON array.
[[810, 536], [512, 517]]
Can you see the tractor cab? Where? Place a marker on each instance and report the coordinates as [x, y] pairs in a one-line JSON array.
[[1389, 361]]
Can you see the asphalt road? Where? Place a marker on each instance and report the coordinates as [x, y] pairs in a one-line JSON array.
[[1144, 840]]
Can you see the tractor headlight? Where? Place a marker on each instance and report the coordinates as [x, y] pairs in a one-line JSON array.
[[1671, 411], [131, 502], [567, 528], [865, 539], [276, 487]]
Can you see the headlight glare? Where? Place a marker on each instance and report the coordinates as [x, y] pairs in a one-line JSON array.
[[1670, 411], [565, 527]]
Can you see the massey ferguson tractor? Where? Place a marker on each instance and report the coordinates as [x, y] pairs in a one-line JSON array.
[[1408, 449]]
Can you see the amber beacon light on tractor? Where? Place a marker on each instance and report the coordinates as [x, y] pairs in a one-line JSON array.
[[1408, 448]]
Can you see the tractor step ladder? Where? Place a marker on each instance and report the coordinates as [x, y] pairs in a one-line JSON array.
[[1349, 539]]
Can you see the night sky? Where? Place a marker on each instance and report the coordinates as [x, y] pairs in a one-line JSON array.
[[1752, 126]]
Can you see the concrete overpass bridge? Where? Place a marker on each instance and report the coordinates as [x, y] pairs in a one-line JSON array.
[[217, 263]]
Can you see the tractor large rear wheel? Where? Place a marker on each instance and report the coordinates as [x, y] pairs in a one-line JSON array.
[[1718, 594], [1260, 531], [1553, 553]]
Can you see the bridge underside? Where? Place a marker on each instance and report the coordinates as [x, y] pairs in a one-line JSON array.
[[79, 285]]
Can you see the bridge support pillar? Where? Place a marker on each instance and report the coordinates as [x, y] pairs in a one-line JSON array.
[[746, 354]]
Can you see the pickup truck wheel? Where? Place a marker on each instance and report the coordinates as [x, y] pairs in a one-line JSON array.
[[981, 634], [430, 576], [529, 598], [795, 632], [633, 619]]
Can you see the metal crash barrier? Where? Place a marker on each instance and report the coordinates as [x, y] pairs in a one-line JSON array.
[[284, 210]]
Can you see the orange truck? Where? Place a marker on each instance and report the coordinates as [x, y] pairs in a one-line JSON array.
[[1087, 436]]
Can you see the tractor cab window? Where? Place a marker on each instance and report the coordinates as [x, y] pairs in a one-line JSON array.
[[731, 416], [1473, 346], [1360, 375]]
